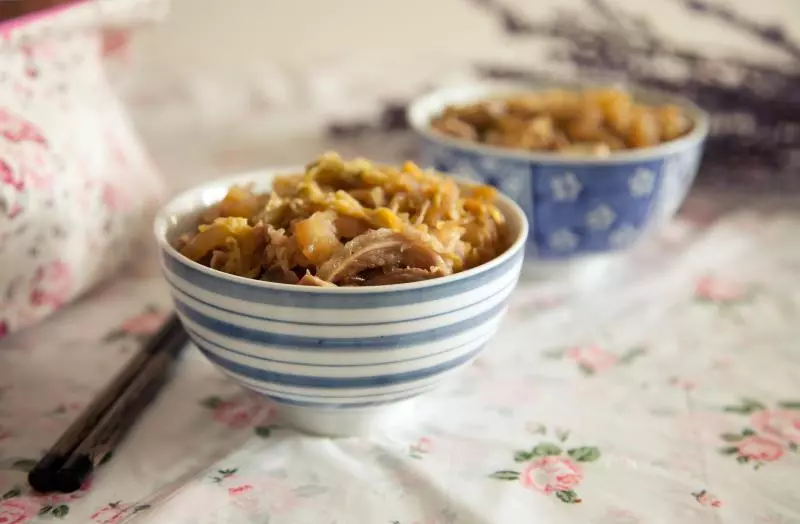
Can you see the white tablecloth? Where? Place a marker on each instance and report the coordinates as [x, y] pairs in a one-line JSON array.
[[668, 392]]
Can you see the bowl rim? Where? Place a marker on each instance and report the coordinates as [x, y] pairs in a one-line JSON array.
[[164, 222], [422, 108]]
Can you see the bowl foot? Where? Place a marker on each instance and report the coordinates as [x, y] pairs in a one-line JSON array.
[[350, 422]]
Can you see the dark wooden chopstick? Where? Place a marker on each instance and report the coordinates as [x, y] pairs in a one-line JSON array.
[[104, 422], [115, 424]]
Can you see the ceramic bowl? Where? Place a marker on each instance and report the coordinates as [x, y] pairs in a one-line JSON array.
[[337, 361], [576, 205]]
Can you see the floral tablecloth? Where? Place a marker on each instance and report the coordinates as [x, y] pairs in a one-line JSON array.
[[667, 391]]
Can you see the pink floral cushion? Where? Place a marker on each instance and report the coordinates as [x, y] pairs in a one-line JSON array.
[[76, 188]]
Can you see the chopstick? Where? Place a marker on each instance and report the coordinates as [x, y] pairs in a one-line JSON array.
[[106, 420]]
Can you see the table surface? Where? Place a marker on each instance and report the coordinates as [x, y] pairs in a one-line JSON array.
[[668, 393]]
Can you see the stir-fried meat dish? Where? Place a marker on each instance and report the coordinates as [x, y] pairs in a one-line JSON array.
[[593, 122], [350, 223]]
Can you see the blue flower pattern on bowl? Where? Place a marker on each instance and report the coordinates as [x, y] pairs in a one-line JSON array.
[[579, 208]]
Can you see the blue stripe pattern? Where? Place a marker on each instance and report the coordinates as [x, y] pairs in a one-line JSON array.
[[354, 405], [405, 392], [287, 379], [315, 344], [180, 292], [340, 351], [209, 344]]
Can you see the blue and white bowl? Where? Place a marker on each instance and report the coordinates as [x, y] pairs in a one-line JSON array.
[[575, 205], [334, 359]]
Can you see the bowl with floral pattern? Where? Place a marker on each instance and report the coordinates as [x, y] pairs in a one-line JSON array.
[[577, 205]]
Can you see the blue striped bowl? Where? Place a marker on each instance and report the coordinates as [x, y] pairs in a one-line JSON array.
[[334, 359]]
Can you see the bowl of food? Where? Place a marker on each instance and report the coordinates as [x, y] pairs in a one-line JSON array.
[[343, 289], [593, 168]]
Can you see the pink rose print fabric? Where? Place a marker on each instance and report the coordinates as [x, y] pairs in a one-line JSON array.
[[17, 511], [772, 433], [760, 449], [241, 411], [140, 327], [15, 504], [235, 416], [53, 283], [115, 512], [718, 290], [592, 358], [551, 474], [144, 324], [76, 189], [680, 418], [704, 498], [780, 424], [552, 467]]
